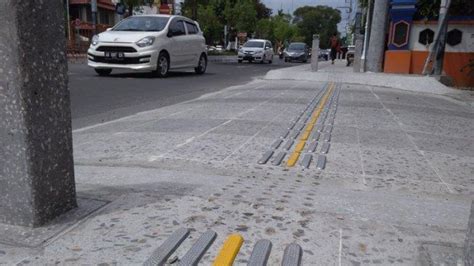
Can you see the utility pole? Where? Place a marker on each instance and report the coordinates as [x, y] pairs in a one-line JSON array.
[[437, 50], [94, 15], [376, 49], [368, 20]]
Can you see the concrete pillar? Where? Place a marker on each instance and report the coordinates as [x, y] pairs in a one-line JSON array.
[[359, 45], [378, 32], [315, 53], [36, 164]]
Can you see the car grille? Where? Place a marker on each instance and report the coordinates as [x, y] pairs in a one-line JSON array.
[[123, 49]]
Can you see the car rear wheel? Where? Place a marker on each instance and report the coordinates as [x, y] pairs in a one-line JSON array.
[[103, 71], [202, 65], [163, 66]]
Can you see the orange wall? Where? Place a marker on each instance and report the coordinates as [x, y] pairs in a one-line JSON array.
[[397, 61], [453, 63]]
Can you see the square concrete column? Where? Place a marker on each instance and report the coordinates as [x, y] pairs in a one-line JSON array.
[[36, 164]]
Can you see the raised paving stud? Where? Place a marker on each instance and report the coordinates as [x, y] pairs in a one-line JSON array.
[[325, 148], [260, 253], [288, 144], [278, 158], [229, 250], [265, 157], [163, 252], [276, 144], [321, 164], [312, 146], [199, 248], [292, 255], [306, 160]]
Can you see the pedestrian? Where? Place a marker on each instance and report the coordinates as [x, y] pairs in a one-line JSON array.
[[335, 46]]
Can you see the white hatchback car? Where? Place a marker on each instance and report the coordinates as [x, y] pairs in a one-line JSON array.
[[256, 50], [156, 43]]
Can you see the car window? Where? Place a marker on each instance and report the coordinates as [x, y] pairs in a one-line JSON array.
[[177, 28], [254, 44], [297, 46], [268, 45], [192, 28], [142, 23]]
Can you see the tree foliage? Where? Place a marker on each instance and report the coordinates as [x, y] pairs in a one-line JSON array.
[[321, 20]]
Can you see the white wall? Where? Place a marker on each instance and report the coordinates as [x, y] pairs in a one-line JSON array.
[[466, 45]]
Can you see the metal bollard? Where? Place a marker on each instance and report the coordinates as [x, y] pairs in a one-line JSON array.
[[315, 53]]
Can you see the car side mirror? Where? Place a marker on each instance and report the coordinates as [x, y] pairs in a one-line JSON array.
[[170, 34]]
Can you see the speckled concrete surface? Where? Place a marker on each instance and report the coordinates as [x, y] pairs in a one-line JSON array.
[[398, 183]]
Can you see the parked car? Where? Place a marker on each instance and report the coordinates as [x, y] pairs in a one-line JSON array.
[[154, 43], [324, 54], [257, 50], [297, 51]]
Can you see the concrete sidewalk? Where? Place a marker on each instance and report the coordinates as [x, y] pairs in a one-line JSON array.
[[396, 187]]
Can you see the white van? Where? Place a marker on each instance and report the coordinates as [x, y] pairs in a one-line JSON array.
[[156, 43]]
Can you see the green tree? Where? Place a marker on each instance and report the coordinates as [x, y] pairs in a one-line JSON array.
[[209, 22], [321, 20]]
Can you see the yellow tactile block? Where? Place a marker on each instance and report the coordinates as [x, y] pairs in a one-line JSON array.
[[300, 146], [293, 159], [229, 250]]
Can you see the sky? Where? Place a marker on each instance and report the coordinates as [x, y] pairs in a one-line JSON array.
[[291, 5]]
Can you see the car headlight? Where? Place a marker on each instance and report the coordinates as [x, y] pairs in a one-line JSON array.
[[147, 41], [95, 40]]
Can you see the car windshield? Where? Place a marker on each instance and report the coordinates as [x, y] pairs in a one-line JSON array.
[[145, 23], [296, 46], [252, 44]]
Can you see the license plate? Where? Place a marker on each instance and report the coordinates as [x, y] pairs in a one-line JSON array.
[[114, 55]]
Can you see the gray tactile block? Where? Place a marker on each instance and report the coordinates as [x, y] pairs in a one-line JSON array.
[[315, 135], [163, 252], [292, 255], [265, 157], [319, 126], [327, 137], [321, 164], [276, 144], [325, 147], [260, 253], [328, 129], [278, 158], [312, 146], [306, 160], [300, 126], [285, 134], [288, 144], [194, 255], [294, 134]]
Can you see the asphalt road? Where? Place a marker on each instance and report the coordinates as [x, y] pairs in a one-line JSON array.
[[97, 99]]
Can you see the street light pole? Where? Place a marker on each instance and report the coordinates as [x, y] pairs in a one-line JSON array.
[[367, 34], [94, 15]]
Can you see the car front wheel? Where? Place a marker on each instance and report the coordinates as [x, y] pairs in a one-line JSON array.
[[103, 71], [202, 65], [163, 66]]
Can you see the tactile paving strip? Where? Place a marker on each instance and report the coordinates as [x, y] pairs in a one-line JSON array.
[[307, 138], [230, 248]]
